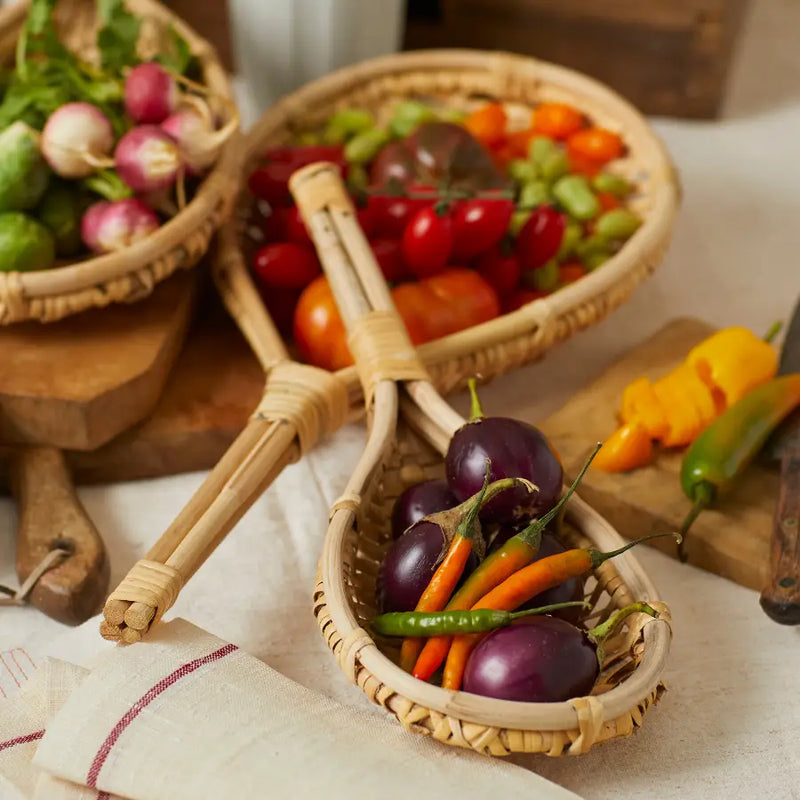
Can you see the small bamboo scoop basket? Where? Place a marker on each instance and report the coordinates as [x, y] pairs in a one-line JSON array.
[[402, 450], [463, 79], [130, 274]]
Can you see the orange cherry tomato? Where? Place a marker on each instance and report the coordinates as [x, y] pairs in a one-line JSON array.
[[583, 166], [518, 142], [557, 120], [571, 271], [595, 144], [487, 123], [319, 332], [607, 201], [432, 308]]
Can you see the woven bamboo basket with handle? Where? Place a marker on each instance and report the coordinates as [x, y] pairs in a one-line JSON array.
[[400, 452], [130, 274], [462, 79]]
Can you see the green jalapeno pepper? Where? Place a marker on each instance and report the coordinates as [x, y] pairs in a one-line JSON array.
[[723, 450], [440, 623]]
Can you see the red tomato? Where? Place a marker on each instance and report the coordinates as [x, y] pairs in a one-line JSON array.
[[478, 225], [285, 265], [367, 216], [470, 298], [319, 332], [281, 304], [521, 298], [427, 242], [501, 271], [540, 237], [271, 181], [571, 271], [274, 226], [392, 214], [389, 255], [295, 227]]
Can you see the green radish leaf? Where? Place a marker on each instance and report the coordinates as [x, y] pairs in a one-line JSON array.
[[180, 59], [117, 39]]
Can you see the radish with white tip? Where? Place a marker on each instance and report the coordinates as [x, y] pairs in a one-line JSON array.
[[147, 159], [76, 140], [107, 227]]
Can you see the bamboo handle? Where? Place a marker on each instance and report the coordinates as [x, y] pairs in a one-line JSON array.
[[51, 517]]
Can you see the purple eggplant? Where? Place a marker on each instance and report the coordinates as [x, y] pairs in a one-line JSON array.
[[569, 591], [409, 566], [516, 450], [541, 659], [419, 501]]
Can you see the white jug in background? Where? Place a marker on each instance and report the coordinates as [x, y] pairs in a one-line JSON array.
[[279, 45]]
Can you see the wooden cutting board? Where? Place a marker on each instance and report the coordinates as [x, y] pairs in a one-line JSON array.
[[731, 539], [78, 383]]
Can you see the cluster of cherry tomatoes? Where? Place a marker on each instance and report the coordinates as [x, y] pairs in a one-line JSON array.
[[458, 251]]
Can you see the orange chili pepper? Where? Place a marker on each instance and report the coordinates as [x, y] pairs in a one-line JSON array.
[[627, 448], [521, 587], [557, 120], [596, 144], [487, 123]]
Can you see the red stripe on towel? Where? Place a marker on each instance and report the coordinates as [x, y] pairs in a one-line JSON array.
[[31, 737], [143, 702]]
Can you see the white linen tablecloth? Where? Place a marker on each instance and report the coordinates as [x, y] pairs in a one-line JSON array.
[[730, 724]]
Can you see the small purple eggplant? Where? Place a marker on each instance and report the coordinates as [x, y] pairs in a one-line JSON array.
[[419, 501], [516, 450], [541, 659]]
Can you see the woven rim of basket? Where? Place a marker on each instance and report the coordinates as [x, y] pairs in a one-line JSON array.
[[179, 243], [513, 339], [494, 726]]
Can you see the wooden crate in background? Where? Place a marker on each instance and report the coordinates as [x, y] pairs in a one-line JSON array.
[[668, 57]]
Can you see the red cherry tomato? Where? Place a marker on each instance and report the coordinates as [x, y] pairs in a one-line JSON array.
[[274, 226], [319, 332], [367, 216], [521, 298], [295, 227], [501, 271], [271, 181], [285, 265], [281, 304], [392, 214], [427, 242], [478, 225], [389, 255], [540, 237]]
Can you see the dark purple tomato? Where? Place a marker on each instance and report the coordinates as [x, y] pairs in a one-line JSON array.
[[535, 660], [569, 591], [409, 566], [418, 501], [516, 450]]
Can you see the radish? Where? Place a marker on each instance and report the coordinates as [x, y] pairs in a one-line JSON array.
[[147, 159], [151, 93], [106, 227], [76, 140], [192, 127]]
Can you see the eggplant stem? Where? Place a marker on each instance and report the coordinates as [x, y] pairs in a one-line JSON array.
[[475, 407]]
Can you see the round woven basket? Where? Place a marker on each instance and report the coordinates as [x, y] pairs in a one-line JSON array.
[[462, 79], [131, 274]]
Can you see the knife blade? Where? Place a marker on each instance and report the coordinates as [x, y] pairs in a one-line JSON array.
[[781, 597]]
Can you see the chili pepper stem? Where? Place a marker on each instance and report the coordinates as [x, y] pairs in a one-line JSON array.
[[548, 609], [533, 533], [475, 407], [599, 634], [704, 494], [773, 331], [598, 558]]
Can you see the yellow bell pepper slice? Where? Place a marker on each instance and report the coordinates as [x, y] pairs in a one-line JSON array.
[[629, 447], [640, 404]]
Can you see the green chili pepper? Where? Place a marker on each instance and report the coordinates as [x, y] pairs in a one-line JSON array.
[[723, 450], [445, 623]]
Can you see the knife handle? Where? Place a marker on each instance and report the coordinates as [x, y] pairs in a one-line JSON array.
[[781, 599]]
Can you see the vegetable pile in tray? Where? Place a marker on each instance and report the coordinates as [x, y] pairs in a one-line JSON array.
[[95, 155], [477, 581], [469, 215]]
